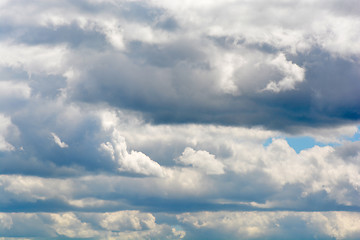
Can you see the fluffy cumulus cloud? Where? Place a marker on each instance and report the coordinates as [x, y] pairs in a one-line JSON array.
[[136, 162], [203, 160], [273, 225], [69, 225], [179, 119]]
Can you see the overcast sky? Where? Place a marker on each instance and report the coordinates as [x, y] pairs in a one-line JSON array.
[[179, 119]]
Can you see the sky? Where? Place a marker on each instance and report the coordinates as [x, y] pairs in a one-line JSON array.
[[159, 119]]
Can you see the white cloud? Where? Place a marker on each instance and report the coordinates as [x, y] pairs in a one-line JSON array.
[[242, 152], [292, 74], [247, 225], [291, 26], [128, 221], [331, 135], [227, 65], [114, 34], [9, 89], [199, 225], [201, 160], [91, 202], [67, 224], [236, 153], [142, 135], [58, 141], [31, 189], [332, 173], [257, 225], [87, 225], [336, 32], [5, 127], [34, 59], [214, 64], [339, 225], [5, 221], [135, 162]]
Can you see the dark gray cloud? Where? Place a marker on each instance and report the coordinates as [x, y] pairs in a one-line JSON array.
[[177, 81], [176, 84], [327, 97]]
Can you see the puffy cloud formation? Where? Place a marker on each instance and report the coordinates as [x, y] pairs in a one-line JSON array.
[[136, 162], [128, 220], [202, 160], [273, 225], [179, 119], [67, 224], [212, 225], [292, 74], [115, 225]]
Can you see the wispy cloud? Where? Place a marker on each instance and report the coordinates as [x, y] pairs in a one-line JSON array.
[[58, 141]]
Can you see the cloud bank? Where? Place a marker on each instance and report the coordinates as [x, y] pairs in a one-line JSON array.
[[179, 119]]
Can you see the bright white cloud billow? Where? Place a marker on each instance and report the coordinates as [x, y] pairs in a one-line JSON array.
[[179, 119], [202, 160], [293, 73], [134, 161], [58, 141], [255, 225]]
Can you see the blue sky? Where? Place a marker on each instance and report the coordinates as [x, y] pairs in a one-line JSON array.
[[179, 119]]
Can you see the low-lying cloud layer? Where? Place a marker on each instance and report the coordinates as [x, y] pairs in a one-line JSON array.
[[172, 119], [217, 225]]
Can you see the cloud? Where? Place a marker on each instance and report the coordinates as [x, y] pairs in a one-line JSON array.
[[58, 141], [33, 59], [173, 119], [202, 160], [135, 162], [9, 89], [5, 127], [229, 157], [6, 221], [209, 225], [330, 135], [128, 220], [293, 74], [272, 225], [68, 225], [88, 225], [157, 69], [271, 177]]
